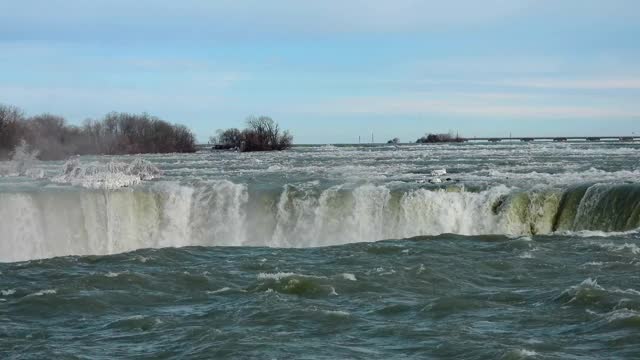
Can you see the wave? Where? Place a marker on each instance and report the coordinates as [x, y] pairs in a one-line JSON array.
[[94, 175], [47, 223], [111, 175], [295, 284], [610, 306], [22, 163]]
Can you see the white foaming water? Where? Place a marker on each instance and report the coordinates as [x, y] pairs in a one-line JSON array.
[[112, 175], [224, 289], [218, 213], [526, 255], [22, 163], [426, 212], [590, 284], [527, 353], [349, 277], [593, 263], [370, 213], [275, 276], [314, 196], [283, 275], [44, 292], [624, 248], [622, 314], [597, 233], [221, 213], [555, 179], [627, 291], [576, 291], [336, 313]]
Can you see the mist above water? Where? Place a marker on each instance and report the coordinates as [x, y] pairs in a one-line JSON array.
[[312, 197]]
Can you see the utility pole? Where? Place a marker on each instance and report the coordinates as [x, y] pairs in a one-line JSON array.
[[372, 138], [358, 139]]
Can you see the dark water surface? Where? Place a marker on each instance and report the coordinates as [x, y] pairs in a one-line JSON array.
[[274, 256], [450, 296]]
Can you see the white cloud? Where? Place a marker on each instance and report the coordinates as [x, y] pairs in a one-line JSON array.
[[631, 82], [79, 103], [576, 84], [469, 105], [332, 16], [293, 16], [488, 65]]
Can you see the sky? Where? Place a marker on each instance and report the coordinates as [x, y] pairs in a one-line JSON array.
[[331, 71]]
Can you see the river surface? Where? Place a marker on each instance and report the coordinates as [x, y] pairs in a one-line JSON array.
[[519, 251]]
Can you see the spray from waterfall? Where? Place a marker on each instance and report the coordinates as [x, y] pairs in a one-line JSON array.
[[100, 220]]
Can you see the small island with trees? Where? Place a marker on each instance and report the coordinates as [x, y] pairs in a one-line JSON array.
[[261, 134], [440, 138], [118, 133]]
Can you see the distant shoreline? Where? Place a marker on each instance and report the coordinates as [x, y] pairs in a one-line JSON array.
[[469, 142]]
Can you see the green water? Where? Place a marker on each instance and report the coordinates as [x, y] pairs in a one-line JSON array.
[[324, 252], [435, 297]]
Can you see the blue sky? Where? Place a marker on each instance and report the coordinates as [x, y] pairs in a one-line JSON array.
[[332, 70]]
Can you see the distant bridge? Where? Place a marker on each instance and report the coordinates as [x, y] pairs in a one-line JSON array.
[[523, 139], [554, 138]]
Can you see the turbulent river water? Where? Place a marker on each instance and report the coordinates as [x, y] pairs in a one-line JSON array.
[[521, 251]]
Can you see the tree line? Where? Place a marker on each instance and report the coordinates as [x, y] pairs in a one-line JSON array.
[[115, 134], [439, 138], [261, 134]]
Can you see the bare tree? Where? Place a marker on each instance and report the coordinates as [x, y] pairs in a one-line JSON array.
[[439, 138], [116, 133], [11, 129], [263, 134]]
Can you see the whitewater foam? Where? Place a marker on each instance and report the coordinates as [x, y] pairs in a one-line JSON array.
[[309, 214], [348, 276], [596, 233], [526, 255], [284, 275], [626, 291], [593, 263], [111, 175], [44, 292], [276, 276], [622, 314], [527, 353], [224, 289], [336, 313], [582, 290], [625, 248], [23, 160]]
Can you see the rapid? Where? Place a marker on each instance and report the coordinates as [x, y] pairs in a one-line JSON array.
[[521, 251], [315, 196]]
